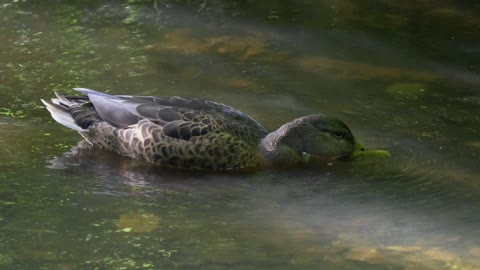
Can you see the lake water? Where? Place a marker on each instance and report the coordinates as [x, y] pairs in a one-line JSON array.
[[404, 77]]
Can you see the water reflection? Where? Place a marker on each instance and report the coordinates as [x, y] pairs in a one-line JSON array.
[[337, 215]]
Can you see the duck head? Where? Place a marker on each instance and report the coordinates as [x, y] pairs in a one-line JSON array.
[[317, 135]]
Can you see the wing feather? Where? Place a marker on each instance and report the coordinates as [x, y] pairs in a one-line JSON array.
[[180, 118]]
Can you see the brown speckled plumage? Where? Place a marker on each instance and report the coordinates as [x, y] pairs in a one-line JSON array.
[[191, 133]]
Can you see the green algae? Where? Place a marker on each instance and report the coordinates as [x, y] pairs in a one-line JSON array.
[[5, 260], [407, 90]]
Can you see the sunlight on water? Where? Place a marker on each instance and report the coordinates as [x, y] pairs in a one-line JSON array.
[[403, 77]]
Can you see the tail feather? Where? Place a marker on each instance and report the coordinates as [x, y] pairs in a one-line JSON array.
[[75, 112], [63, 101], [59, 111]]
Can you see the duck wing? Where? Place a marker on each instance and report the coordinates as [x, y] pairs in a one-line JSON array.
[[180, 118]]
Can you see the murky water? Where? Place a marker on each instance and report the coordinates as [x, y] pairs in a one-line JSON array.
[[403, 76]]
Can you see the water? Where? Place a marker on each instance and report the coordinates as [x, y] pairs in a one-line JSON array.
[[404, 77]]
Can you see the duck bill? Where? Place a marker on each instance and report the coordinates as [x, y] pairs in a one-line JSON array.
[[360, 152]]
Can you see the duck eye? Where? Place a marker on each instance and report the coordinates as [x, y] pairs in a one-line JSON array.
[[338, 134]]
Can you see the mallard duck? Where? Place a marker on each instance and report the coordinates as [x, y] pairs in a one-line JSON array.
[[193, 133]]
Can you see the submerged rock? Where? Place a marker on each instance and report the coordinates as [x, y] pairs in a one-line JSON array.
[[238, 47], [351, 70], [138, 222]]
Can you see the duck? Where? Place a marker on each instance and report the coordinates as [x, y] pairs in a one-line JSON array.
[[191, 133]]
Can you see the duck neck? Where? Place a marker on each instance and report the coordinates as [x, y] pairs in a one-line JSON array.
[[284, 146]]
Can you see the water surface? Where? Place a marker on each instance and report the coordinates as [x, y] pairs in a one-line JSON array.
[[404, 78]]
